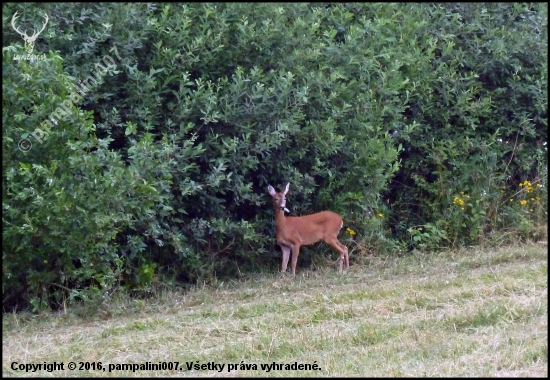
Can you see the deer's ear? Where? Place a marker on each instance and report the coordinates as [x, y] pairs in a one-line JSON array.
[[271, 190], [286, 188]]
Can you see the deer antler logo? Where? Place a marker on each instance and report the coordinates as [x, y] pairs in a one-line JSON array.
[[29, 40]]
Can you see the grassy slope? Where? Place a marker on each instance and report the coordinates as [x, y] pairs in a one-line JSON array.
[[471, 313]]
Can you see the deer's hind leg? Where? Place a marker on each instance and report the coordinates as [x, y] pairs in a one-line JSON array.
[[342, 250]]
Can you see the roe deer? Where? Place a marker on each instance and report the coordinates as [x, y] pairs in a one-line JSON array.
[[295, 231]]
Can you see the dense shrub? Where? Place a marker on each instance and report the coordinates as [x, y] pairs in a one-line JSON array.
[[415, 122]]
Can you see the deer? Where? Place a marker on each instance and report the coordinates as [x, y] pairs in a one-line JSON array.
[[294, 231]]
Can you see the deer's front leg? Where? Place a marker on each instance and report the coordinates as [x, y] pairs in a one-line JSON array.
[[295, 253], [286, 255]]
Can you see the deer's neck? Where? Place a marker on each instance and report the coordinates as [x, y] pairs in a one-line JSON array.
[[279, 217]]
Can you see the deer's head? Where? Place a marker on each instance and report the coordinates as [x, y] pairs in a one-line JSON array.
[[279, 199]]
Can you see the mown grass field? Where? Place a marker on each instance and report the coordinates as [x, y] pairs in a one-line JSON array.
[[477, 312]]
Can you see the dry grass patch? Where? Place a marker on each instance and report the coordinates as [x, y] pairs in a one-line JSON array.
[[469, 313]]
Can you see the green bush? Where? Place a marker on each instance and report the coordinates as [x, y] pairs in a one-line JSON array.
[[384, 113]]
